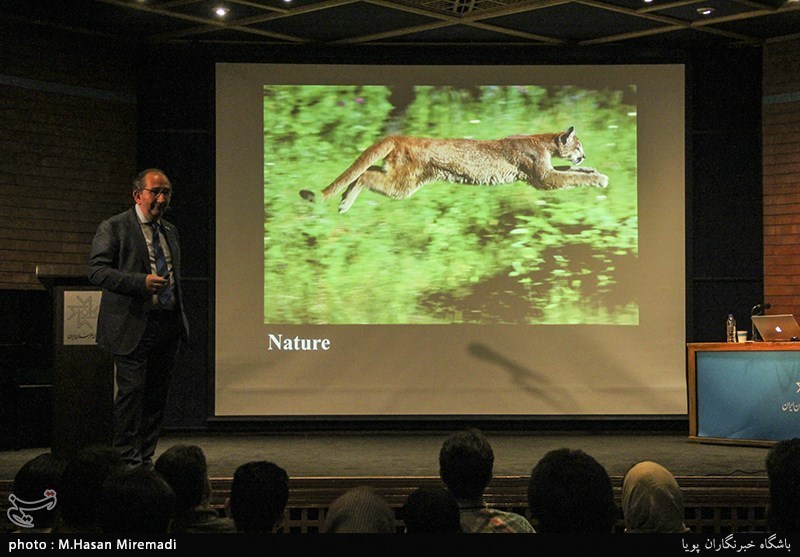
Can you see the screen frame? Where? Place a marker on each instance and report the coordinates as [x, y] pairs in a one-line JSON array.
[[675, 324]]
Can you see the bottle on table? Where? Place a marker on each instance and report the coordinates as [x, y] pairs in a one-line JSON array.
[[731, 328]]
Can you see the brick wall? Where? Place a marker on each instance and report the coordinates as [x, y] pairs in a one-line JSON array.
[[67, 147], [781, 176]]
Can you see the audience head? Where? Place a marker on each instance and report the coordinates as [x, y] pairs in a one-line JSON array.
[[38, 479], [466, 461], [652, 500], [783, 473], [360, 510], [259, 494], [136, 501], [570, 492], [432, 510], [185, 469], [81, 484]]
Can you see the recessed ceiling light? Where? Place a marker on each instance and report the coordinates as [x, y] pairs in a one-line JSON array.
[[221, 11], [705, 10]]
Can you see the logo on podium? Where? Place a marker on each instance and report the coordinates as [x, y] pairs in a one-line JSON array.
[[80, 316]]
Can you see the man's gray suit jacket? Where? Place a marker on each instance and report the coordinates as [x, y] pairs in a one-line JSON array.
[[119, 263]]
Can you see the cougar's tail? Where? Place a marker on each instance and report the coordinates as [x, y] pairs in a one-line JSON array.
[[370, 156]]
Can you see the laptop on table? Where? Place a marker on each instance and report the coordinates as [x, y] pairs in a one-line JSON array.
[[777, 328]]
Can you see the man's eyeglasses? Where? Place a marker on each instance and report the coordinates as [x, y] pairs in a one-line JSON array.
[[159, 191]]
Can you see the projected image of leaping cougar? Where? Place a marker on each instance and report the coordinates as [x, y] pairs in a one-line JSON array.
[[411, 162]]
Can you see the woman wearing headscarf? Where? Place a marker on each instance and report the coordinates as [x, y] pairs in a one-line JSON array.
[[652, 501]]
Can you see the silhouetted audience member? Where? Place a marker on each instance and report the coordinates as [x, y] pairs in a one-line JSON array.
[[652, 500], [34, 494], [360, 510], [136, 501], [783, 474], [432, 510], [570, 492], [81, 484], [185, 469], [258, 498], [466, 464]]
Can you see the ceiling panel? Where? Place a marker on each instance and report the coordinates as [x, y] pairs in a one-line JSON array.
[[671, 23]]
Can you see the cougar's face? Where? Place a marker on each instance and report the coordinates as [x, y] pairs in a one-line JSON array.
[[572, 150]]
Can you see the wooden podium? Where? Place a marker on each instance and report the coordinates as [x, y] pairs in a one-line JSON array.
[[83, 374], [744, 393]]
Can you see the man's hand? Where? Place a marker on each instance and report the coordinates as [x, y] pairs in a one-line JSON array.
[[156, 283]]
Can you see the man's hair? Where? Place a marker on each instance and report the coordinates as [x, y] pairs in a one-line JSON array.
[[360, 510], [569, 491], [185, 469], [138, 180], [783, 473], [136, 501], [259, 494], [466, 461], [431, 510], [82, 481], [39, 474]]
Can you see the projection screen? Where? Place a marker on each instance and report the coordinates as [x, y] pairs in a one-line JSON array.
[[459, 300]]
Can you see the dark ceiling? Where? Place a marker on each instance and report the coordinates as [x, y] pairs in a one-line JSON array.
[[635, 23]]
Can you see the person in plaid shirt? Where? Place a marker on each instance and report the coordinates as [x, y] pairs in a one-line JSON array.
[[466, 462]]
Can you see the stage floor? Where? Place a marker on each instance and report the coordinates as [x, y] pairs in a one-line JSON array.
[[416, 454]]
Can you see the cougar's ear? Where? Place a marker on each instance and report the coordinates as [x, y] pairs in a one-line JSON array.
[[567, 135]]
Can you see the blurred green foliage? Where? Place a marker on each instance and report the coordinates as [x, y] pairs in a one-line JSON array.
[[451, 253]]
